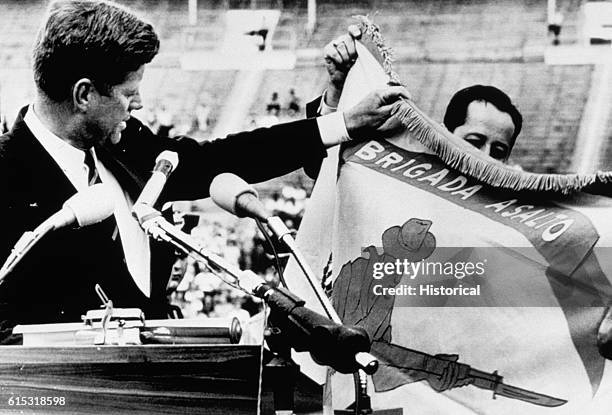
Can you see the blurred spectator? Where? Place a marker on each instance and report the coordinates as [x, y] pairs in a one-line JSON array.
[[3, 125], [270, 118], [183, 125], [251, 122], [237, 310], [202, 113], [554, 26], [273, 106], [260, 262], [176, 275], [232, 252], [203, 294], [274, 203], [293, 104], [165, 121], [150, 118]]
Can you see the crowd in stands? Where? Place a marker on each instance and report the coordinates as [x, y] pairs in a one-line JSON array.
[[168, 122], [277, 111], [200, 293]]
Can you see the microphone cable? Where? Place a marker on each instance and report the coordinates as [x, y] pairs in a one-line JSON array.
[[277, 264]]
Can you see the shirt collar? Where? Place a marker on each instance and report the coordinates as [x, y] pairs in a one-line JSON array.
[[69, 158], [50, 140]]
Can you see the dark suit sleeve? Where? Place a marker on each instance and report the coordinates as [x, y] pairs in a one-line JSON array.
[[256, 156], [313, 167], [312, 108]]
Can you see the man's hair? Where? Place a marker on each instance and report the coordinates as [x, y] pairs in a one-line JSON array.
[[98, 40], [456, 111]]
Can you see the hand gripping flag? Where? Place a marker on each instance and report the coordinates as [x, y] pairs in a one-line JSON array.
[[474, 280]]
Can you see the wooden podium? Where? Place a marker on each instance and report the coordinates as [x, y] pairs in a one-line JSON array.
[[144, 379], [151, 379]]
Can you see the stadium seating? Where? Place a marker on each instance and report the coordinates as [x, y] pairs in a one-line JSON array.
[[493, 42], [551, 99]]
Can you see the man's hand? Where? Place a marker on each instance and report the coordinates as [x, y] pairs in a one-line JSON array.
[[340, 55], [373, 116], [454, 375]]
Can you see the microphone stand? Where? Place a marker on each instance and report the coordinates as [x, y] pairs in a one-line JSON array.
[[368, 363], [23, 246], [282, 233], [156, 226]]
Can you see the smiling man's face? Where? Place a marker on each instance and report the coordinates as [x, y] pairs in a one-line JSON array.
[[488, 129], [108, 118]]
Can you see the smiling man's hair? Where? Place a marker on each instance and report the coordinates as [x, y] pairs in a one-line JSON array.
[[456, 111], [98, 40]]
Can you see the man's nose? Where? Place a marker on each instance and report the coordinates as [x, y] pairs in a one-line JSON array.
[[136, 103], [486, 148]]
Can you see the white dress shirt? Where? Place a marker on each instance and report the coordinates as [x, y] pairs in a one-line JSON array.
[[72, 162], [325, 109]]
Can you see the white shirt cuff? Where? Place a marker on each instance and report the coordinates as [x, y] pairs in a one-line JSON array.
[[332, 129], [325, 109]]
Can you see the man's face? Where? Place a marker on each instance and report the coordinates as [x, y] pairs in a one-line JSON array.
[[108, 117], [488, 129]]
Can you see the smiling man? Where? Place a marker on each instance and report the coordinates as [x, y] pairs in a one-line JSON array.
[[89, 60]]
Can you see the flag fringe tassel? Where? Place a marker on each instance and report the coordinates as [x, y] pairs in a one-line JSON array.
[[460, 155]]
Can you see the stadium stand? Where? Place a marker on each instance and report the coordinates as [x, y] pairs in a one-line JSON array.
[[181, 91], [500, 42], [605, 159], [550, 98], [495, 42]]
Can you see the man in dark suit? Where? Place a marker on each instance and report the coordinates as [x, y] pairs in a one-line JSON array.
[[88, 61]]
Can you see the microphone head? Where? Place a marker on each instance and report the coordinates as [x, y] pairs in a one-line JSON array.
[[91, 205], [226, 188], [169, 156]]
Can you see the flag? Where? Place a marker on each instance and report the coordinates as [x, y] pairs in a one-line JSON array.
[[466, 274]]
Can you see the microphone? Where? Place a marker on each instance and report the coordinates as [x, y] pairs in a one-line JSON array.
[[84, 208], [165, 164], [233, 194], [330, 343]]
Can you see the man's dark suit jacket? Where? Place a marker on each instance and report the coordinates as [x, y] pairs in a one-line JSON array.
[[55, 282], [313, 167]]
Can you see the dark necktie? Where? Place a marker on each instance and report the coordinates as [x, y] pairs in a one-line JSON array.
[[93, 176]]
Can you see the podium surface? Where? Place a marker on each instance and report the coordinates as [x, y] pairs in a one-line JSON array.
[[138, 379]]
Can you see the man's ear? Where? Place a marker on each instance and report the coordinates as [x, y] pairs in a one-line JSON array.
[[83, 94]]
